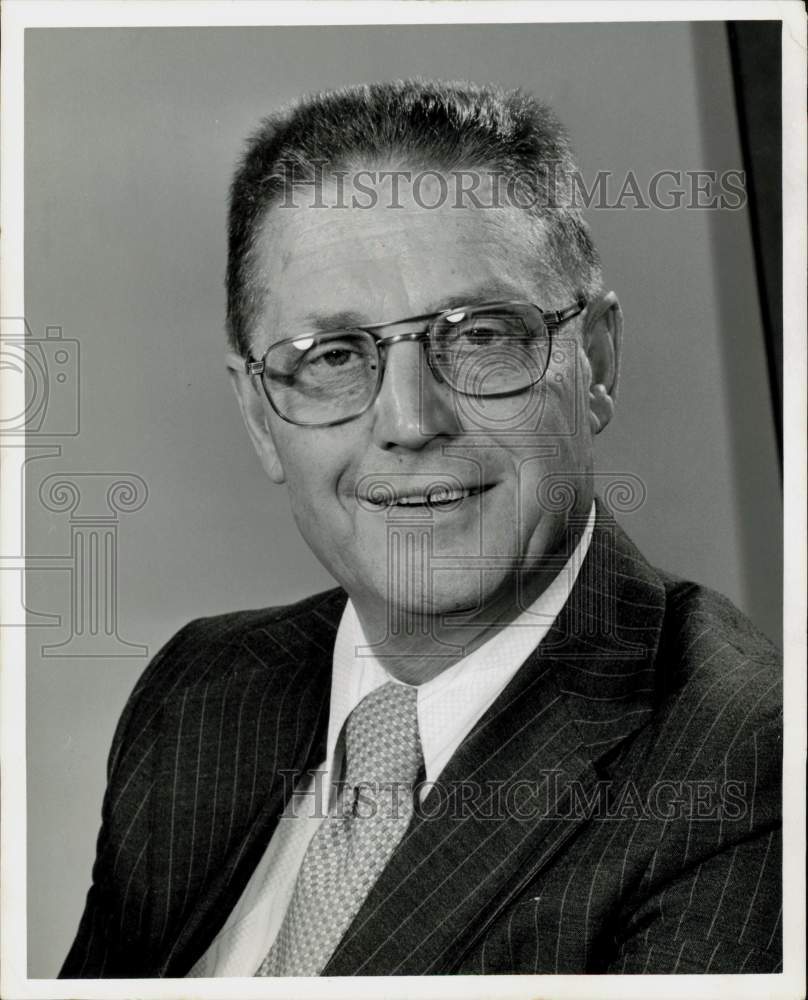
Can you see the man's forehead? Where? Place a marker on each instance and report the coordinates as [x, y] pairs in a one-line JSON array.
[[317, 258], [304, 231], [378, 260]]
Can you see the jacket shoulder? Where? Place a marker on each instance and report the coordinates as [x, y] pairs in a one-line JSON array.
[[706, 641], [232, 626], [693, 610], [214, 647], [719, 680], [212, 636]]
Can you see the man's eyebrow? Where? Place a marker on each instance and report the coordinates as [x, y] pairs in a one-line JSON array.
[[350, 318], [340, 320], [498, 291]]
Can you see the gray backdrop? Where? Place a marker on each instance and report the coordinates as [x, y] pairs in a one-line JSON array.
[[131, 137]]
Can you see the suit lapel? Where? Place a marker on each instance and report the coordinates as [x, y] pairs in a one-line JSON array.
[[503, 806], [230, 750]]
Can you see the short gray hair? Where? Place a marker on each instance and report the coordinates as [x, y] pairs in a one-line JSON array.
[[450, 126]]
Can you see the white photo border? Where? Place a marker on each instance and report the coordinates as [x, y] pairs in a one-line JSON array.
[[19, 15]]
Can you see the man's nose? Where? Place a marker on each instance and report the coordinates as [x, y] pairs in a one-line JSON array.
[[412, 407]]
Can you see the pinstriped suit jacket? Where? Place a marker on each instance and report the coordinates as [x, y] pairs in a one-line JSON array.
[[624, 812]]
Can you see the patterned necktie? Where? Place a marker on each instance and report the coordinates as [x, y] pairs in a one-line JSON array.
[[353, 844]]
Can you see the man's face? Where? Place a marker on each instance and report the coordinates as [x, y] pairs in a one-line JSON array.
[[326, 267]]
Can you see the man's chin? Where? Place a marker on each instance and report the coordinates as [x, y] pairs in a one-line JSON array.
[[417, 592], [441, 603], [407, 600]]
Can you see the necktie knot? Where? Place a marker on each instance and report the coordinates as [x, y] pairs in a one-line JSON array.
[[382, 743]]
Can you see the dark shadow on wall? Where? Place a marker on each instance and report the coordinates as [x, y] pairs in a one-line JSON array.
[[756, 52], [753, 437]]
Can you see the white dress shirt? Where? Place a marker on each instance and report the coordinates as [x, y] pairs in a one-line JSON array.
[[448, 707]]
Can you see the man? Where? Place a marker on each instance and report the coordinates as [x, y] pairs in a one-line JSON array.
[[505, 743]]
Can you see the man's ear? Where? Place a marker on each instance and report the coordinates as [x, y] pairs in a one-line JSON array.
[[603, 335], [254, 412]]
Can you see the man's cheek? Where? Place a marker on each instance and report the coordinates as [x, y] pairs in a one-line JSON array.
[[566, 384], [554, 483], [322, 519], [561, 411]]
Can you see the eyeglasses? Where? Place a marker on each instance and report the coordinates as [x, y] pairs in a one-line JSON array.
[[491, 350]]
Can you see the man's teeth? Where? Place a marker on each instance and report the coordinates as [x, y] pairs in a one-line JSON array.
[[438, 495]]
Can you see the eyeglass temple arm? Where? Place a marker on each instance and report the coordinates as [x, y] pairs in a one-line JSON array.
[[559, 316]]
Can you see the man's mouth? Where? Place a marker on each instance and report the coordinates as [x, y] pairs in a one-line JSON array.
[[435, 497]]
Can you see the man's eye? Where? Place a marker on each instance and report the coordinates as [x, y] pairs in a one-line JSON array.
[[333, 357], [481, 333], [484, 331]]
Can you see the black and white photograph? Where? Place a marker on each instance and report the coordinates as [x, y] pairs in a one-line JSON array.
[[403, 521]]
